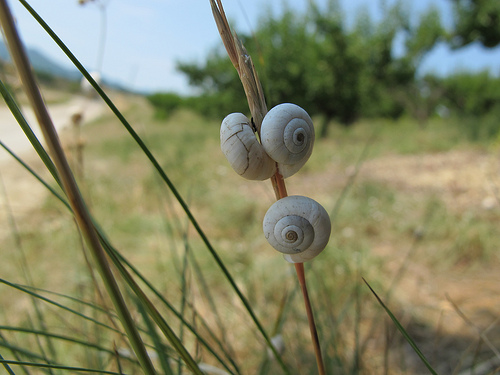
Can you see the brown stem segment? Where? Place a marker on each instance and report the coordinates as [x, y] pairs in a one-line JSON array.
[[279, 185], [280, 190], [299, 268], [257, 104]]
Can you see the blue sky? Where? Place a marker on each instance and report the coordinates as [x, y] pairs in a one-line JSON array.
[[146, 38]]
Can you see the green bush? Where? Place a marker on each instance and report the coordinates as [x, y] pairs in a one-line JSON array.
[[165, 103], [481, 128], [472, 94]]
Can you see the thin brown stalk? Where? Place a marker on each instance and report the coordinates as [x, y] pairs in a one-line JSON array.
[[82, 216], [279, 186], [299, 268], [258, 108], [243, 65]]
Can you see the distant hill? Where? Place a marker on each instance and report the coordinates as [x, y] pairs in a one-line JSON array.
[[42, 63]]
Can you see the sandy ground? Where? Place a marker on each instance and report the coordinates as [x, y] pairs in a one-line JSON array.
[[12, 135], [463, 179]]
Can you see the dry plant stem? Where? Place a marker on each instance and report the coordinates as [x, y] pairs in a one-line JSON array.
[[299, 268], [280, 189], [257, 103], [78, 206], [243, 64], [279, 185]]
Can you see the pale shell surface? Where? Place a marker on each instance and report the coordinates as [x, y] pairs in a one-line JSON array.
[[298, 227], [287, 135], [242, 149]]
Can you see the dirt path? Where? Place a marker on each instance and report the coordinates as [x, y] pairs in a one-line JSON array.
[[12, 135], [463, 179], [19, 191]]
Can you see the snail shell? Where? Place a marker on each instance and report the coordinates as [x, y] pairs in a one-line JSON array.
[[287, 135], [242, 149], [297, 226]]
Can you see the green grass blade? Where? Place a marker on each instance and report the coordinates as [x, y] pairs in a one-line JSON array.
[[7, 367], [34, 174], [403, 331], [57, 367], [155, 315], [16, 356], [211, 302], [18, 115], [184, 290], [27, 354], [121, 260], [69, 298], [61, 306], [163, 175], [35, 142], [63, 338], [151, 330], [41, 346]]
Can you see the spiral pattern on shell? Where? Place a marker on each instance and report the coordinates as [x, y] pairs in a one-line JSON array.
[[287, 135], [242, 149], [297, 226]]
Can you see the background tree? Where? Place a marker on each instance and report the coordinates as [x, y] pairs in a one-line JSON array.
[[317, 61], [218, 83], [472, 94], [476, 21], [334, 83], [369, 79], [419, 96]]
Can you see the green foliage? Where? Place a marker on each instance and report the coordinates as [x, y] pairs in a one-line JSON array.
[[221, 90], [286, 56], [219, 83], [476, 20], [472, 94], [425, 34], [482, 128], [165, 103], [45, 77], [316, 61], [212, 105]]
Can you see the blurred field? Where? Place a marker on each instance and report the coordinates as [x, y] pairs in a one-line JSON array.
[[415, 212]]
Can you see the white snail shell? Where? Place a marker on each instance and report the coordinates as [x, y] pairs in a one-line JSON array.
[[242, 149], [297, 226], [287, 135]]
